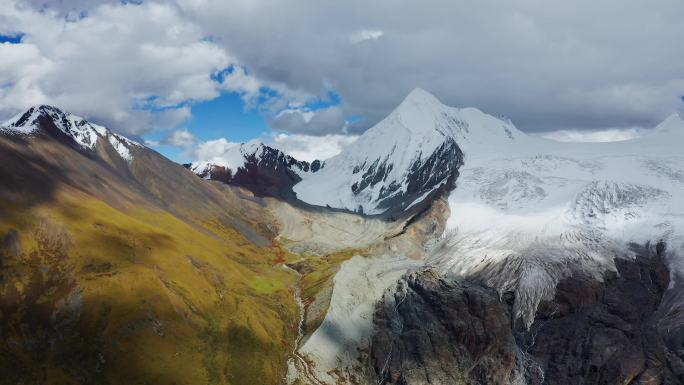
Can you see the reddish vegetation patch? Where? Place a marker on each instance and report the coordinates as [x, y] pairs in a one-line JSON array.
[[279, 253]]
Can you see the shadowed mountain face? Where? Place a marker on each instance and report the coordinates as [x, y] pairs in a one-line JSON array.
[[430, 330]]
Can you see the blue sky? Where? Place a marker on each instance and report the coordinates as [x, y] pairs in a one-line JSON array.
[[223, 117], [230, 117], [12, 39], [525, 60]]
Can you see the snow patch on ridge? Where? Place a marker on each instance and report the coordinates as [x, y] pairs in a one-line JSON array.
[[84, 133]]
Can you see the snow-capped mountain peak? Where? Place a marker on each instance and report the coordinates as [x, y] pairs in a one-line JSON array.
[[81, 131], [417, 112], [264, 170], [422, 113], [674, 124], [406, 158]]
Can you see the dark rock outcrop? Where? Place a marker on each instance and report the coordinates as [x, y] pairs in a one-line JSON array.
[[606, 332], [268, 172], [433, 176], [430, 330], [434, 331]]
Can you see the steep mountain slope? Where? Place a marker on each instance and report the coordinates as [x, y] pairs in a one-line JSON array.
[[120, 266], [409, 158], [115, 169]]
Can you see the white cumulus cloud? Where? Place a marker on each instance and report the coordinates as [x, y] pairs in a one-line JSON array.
[[322, 121], [365, 34], [546, 65], [130, 67], [309, 148], [181, 138], [219, 151], [608, 135]]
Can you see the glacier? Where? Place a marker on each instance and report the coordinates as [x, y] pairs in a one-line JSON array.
[[527, 215]]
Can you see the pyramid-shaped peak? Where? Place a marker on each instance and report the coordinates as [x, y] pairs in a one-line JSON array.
[[417, 112], [420, 96], [28, 119], [674, 122], [48, 108]]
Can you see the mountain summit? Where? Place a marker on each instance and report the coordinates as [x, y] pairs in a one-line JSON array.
[[397, 167], [405, 160], [263, 170], [54, 121]]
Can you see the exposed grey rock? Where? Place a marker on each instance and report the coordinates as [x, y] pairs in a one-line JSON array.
[[430, 330], [433, 331], [432, 176], [607, 332]]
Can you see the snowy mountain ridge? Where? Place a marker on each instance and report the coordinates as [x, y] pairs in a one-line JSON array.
[[83, 132], [239, 154], [404, 159], [264, 170]]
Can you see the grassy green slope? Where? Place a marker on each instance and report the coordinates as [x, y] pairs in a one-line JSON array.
[[94, 294], [140, 273]]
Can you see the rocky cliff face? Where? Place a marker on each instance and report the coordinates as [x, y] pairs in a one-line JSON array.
[[426, 180], [430, 330], [434, 331], [607, 332]]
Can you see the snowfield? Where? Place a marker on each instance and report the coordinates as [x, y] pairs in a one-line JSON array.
[[407, 137], [527, 215]]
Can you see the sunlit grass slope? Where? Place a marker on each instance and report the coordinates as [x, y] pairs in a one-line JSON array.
[[95, 294]]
